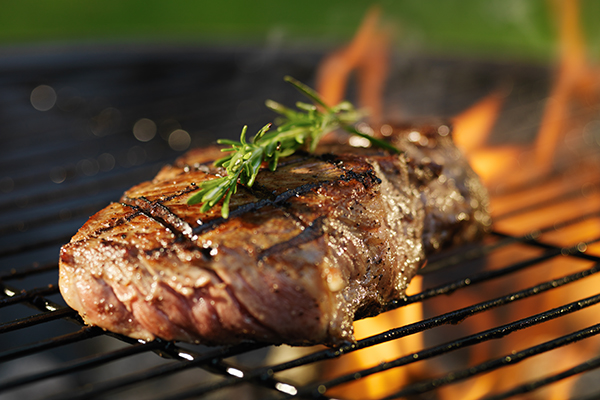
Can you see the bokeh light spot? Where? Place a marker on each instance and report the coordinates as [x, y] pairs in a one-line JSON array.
[[43, 98]]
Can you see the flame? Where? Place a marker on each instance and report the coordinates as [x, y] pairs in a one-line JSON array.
[[498, 166], [471, 130], [576, 79], [476, 123], [368, 54], [513, 166], [387, 382]]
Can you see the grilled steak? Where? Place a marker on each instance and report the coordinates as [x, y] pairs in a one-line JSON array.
[[324, 239]]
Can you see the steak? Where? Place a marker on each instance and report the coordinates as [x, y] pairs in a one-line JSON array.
[[324, 239]]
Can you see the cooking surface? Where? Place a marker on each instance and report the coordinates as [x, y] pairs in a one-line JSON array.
[[61, 165]]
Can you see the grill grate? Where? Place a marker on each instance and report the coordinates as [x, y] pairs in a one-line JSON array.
[[59, 166]]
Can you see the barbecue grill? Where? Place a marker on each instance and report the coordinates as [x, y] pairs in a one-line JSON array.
[[69, 147]]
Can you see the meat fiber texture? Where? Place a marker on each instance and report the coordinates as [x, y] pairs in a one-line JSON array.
[[324, 239]]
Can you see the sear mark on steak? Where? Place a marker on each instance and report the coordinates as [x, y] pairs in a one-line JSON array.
[[324, 239]]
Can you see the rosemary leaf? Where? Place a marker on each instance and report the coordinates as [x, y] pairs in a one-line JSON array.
[[298, 128]]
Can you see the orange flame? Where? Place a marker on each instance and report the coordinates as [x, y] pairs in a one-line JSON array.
[[513, 165], [473, 126], [387, 382], [471, 130], [368, 54], [576, 80]]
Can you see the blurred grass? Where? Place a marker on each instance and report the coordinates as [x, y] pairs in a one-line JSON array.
[[521, 29]]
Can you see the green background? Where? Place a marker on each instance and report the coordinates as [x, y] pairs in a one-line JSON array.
[[523, 29]]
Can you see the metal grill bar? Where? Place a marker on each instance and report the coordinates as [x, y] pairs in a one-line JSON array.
[[33, 223], [199, 360], [24, 248], [28, 271], [318, 389], [27, 295], [483, 250], [115, 180], [522, 389], [37, 319], [19, 352], [86, 363], [519, 356], [490, 275], [448, 318]]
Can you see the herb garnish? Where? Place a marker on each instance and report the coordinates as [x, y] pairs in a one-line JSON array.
[[299, 128]]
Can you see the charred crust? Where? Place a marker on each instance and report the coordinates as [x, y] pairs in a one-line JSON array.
[[258, 191], [193, 187], [206, 253], [214, 223], [368, 309], [424, 172], [310, 233], [164, 216], [330, 158], [367, 178], [114, 222], [184, 233], [275, 201]]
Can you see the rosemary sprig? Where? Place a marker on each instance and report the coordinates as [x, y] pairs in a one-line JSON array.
[[299, 128]]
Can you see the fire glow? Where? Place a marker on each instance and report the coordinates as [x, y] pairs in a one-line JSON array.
[[515, 174]]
